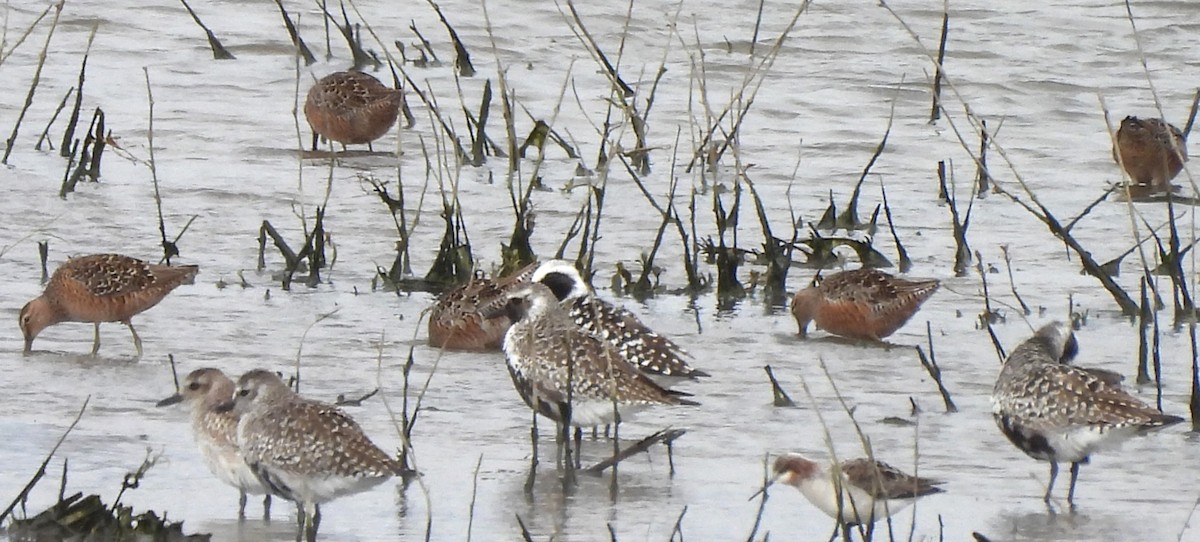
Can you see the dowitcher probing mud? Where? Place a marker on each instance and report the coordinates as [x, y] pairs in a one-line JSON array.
[[101, 288], [351, 108], [1151, 151], [865, 304]]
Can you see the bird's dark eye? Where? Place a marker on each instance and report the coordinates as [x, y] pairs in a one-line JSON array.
[[243, 393], [194, 386]]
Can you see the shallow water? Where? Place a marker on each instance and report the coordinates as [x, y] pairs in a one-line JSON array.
[[226, 149]]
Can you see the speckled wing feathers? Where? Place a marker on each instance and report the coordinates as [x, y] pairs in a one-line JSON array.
[[880, 480], [883, 293], [306, 428], [635, 342], [1046, 396]]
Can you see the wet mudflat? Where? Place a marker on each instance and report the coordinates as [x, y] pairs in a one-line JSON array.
[[227, 151]]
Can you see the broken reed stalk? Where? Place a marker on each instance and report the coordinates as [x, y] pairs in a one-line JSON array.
[[297, 39], [88, 163], [24, 494], [1194, 400], [169, 248], [46, 132], [1128, 306], [935, 112], [962, 251], [462, 59], [904, 262], [43, 255], [989, 315], [37, 77], [1012, 283], [727, 257], [982, 177], [474, 494], [65, 149], [29, 30], [664, 436], [779, 397], [218, 50], [1145, 316], [408, 456], [776, 252], [762, 503], [931, 366], [1191, 119], [849, 219]]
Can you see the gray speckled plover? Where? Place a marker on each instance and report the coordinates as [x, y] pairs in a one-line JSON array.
[[558, 367], [653, 354], [1056, 412], [216, 433], [857, 492], [101, 288], [303, 450], [865, 304]]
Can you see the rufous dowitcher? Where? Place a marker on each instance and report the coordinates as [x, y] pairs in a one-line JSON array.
[[1057, 412], [303, 450], [101, 288], [1151, 151], [637, 344], [216, 433], [854, 492], [865, 304], [457, 321], [558, 368], [351, 108]]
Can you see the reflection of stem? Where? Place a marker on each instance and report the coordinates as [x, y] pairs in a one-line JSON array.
[[24, 494]]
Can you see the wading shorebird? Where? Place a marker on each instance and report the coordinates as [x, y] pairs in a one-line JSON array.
[[457, 322], [351, 108], [1151, 151], [857, 492], [216, 433], [865, 304], [101, 288], [303, 450], [637, 344], [560, 370], [1057, 412]]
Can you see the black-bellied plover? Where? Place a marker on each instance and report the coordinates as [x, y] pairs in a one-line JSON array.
[[637, 344], [303, 450], [559, 368], [1057, 412], [216, 433], [456, 320], [101, 288], [865, 304], [351, 108], [857, 491]]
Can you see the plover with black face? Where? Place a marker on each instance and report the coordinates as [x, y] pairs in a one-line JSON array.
[[1056, 412], [865, 304], [303, 450], [558, 367], [216, 433], [857, 491], [653, 354]]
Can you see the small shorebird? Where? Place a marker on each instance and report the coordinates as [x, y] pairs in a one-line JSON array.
[[457, 321], [865, 304], [303, 450], [216, 433], [560, 370], [101, 288], [1151, 151], [351, 108], [1056, 412], [653, 354], [856, 492]]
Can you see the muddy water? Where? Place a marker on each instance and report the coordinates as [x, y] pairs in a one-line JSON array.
[[226, 147]]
